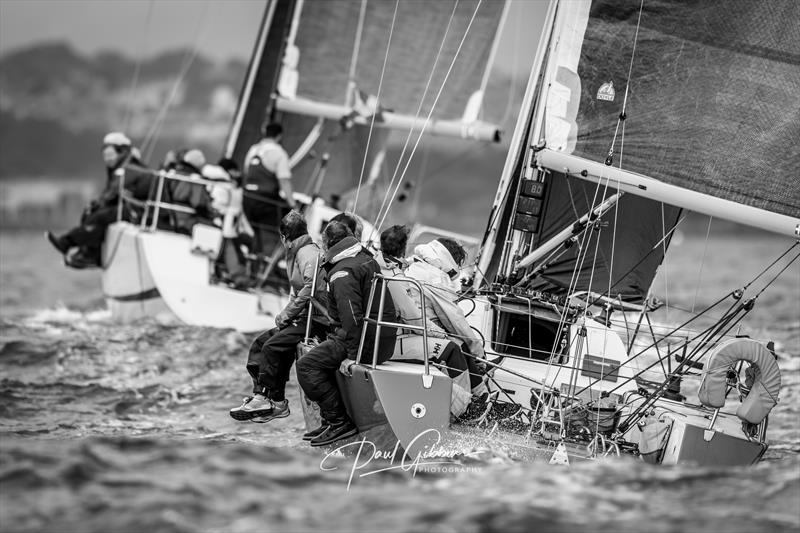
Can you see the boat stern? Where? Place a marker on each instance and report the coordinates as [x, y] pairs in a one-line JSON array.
[[397, 404]]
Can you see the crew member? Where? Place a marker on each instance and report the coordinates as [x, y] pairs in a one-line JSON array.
[[123, 166], [267, 187], [272, 353], [350, 270]]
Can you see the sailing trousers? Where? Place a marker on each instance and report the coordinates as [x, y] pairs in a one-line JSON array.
[[92, 231], [316, 372], [271, 355]]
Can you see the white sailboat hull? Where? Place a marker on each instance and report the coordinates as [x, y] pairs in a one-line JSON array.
[[691, 442], [689, 437], [155, 274], [131, 293]]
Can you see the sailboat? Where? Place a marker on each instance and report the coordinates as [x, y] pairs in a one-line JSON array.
[[636, 113], [339, 96]]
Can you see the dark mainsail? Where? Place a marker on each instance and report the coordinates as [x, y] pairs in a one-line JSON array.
[[713, 95], [327, 32], [711, 108], [262, 76], [333, 39], [630, 247]]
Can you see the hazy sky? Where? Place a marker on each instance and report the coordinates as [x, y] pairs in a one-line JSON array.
[[220, 29], [136, 27]]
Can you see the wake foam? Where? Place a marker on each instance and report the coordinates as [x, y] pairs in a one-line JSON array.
[[61, 314]]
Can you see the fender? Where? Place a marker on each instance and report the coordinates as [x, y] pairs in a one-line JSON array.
[[763, 394]]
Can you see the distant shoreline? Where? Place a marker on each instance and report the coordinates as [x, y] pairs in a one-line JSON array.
[[45, 201]]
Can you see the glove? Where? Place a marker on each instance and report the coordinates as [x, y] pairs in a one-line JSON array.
[[281, 320], [344, 368], [93, 206]]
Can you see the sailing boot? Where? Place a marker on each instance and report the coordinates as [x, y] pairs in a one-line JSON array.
[[478, 407], [81, 260], [308, 435], [61, 244], [252, 406], [340, 428], [277, 410]]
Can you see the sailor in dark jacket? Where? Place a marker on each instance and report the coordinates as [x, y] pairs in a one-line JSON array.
[[122, 163], [350, 271]]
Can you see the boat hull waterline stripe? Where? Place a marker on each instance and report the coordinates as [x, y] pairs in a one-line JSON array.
[[140, 296]]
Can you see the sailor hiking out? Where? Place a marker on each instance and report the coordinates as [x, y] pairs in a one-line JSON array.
[[122, 161], [272, 352], [350, 271]]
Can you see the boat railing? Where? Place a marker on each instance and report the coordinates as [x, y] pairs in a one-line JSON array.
[[152, 207], [157, 203], [384, 281]]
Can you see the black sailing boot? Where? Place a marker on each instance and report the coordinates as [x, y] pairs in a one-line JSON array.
[[340, 428], [59, 243], [83, 258], [308, 435]]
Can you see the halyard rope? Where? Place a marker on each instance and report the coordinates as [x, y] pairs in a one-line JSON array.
[[387, 197], [430, 113], [377, 104], [137, 70], [149, 143]]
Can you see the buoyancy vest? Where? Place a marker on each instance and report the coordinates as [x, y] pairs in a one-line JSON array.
[[260, 180]]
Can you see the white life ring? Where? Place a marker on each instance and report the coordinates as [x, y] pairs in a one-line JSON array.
[[763, 394]]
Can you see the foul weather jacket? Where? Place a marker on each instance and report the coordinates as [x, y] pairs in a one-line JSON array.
[[350, 271], [302, 264]]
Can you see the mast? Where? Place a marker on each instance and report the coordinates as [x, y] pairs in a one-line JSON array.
[[261, 80], [567, 233], [518, 147]]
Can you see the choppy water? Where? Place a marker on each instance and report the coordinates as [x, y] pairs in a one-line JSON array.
[[125, 428]]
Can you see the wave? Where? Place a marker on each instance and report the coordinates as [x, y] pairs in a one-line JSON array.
[[125, 427], [61, 314], [132, 484]]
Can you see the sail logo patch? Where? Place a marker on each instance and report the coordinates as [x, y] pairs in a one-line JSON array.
[[338, 275], [606, 92]]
